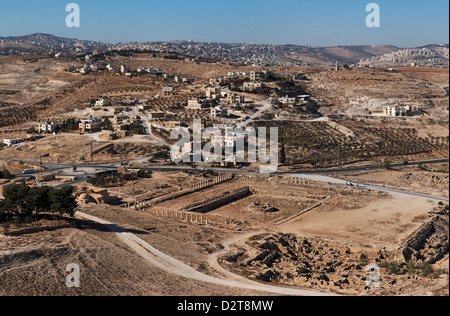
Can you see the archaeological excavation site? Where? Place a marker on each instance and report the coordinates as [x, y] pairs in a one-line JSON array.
[[276, 232]]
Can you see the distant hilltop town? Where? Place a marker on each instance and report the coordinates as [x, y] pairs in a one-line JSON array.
[[246, 53], [431, 56]]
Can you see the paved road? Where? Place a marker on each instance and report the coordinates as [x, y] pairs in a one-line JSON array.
[[326, 179], [148, 127], [56, 166], [174, 266], [266, 106], [314, 176]]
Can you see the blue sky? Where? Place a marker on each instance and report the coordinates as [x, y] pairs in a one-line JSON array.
[[404, 23]]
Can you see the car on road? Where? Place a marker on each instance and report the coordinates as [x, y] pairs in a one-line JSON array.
[[28, 171], [350, 184]]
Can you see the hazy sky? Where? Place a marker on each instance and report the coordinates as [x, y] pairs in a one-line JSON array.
[[404, 23]]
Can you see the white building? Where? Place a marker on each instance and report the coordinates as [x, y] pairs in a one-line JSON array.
[[249, 86], [111, 67], [401, 110], [287, 100], [218, 111], [167, 90], [226, 139], [47, 127], [259, 75], [124, 69], [230, 140], [102, 102], [196, 104], [213, 92], [12, 141]]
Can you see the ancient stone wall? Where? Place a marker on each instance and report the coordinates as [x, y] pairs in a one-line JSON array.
[[218, 202]]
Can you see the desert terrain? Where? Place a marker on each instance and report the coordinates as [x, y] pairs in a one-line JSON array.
[[148, 226]]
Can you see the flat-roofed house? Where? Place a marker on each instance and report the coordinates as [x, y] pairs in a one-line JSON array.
[[12, 141], [197, 104], [250, 86], [47, 127], [89, 125], [234, 98], [287, 100], [167, 90]]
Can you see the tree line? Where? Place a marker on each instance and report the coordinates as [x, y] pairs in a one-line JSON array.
[[23, 201]]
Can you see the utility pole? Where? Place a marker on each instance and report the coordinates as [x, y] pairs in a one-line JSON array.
[[40, 171], [339, 155]]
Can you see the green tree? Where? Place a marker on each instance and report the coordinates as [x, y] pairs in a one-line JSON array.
[[70, 124], [38, 200], [15, 200], [62, 201], [5, 174], [107, 125], [32, 130]]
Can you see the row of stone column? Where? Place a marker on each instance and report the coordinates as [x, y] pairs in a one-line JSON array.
[[200, 186], [217, 180], [137, 206], [299, 181], [223, 178], [190, 217]]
